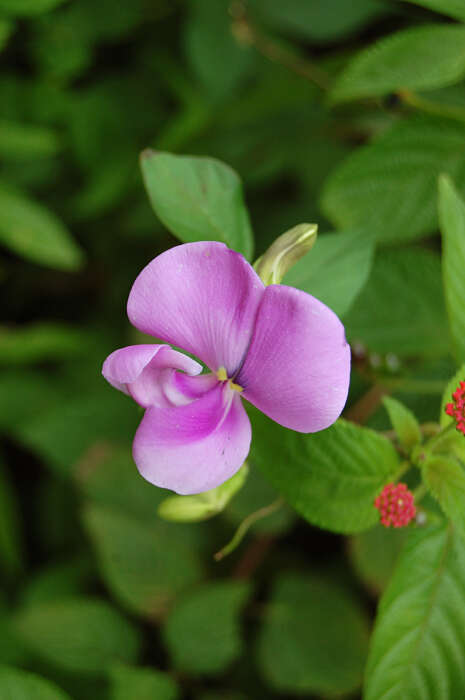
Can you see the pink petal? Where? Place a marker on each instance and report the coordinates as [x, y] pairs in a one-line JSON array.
[[201, 297], [143, 371], [297, 368], [195, 447]]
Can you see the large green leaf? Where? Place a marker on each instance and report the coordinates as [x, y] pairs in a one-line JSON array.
[[313, 639], [389, 187], [419, 640], [334, 270], [32, 231], [83, 635], [128, 682], [202, 631], [331, 478], [143, 567], [452, 222], [16, 684], [419, 58], [401, 309], [198, 199], [454, 8]]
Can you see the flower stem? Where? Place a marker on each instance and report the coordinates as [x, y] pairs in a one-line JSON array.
[[245, 525]]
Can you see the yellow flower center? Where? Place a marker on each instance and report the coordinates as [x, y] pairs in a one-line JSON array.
[[223, 377]]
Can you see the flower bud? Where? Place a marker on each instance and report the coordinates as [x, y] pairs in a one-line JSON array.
[[184, 509], [286, 250]]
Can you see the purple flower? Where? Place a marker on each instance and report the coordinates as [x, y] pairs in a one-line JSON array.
[[276, 346]]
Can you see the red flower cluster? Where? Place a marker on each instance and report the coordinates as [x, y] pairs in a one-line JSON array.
[[457, 409], [396, 505]]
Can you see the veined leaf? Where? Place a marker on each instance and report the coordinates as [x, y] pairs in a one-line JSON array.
[[334, 270], [32, 231], [198, 199], [452, 222], [331, 478], [445, 478], [420, 58], [401, 308], [419, 638], [388, 188]]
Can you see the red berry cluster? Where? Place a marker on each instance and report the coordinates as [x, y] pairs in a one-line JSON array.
[[396, 505], [457, 409]]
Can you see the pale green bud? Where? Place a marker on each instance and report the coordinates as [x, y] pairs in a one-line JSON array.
[[205, 505], [284, 252]]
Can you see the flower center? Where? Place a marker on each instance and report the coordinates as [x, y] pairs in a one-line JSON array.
[[223, 377]]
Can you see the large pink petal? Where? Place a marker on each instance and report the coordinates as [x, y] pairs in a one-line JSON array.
[[297, 368], [143, 371], [201, 297], [195, 447]]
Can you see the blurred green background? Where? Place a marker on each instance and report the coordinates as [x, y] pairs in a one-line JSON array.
[[100, 598]]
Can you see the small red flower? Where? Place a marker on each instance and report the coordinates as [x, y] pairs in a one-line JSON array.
[[396, 505], [457, 409]]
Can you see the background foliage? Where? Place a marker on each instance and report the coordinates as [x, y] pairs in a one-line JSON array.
[[342, 113]]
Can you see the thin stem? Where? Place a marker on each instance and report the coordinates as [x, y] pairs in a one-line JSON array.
[[245, 525]]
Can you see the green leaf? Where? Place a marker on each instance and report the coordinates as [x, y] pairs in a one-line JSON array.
[[202, 631], [11, 550], [82, 635], [58, 581], [209, 42], [314, 21], [28, 8], [6, 29], [140, 568], [313, 639], [392, 63], [419, 637], [16, 684], [374, 554], [141, 683], [451, 386], [452, 223], [453, 8], [41, 341], [203, 505], [198, 199], [454, 442], [404, 422], [332, 477], [335, 270], [388, 188], [26, 141], [401, 309], [445, 478], [32, 231]]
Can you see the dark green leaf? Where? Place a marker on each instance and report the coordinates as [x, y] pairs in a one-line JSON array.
[[198, 199], [26, 8], [454, 8], [416, 651], [388, 188], [41, 341], [83, 635], [331, 478], [32, 231], [129, 683], [393, 63], [313, 639], [334, 270], [202, 631], [11, 551], [401, 309], [452, 222], [445, 478], [26, 141], [374, 554], [16, 684]]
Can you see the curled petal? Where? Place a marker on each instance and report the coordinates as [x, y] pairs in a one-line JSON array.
[[195, 447], [144, 371], [201, 297], [297, 368]]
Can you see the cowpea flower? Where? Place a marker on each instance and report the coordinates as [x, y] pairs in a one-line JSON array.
[[276, 347]]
